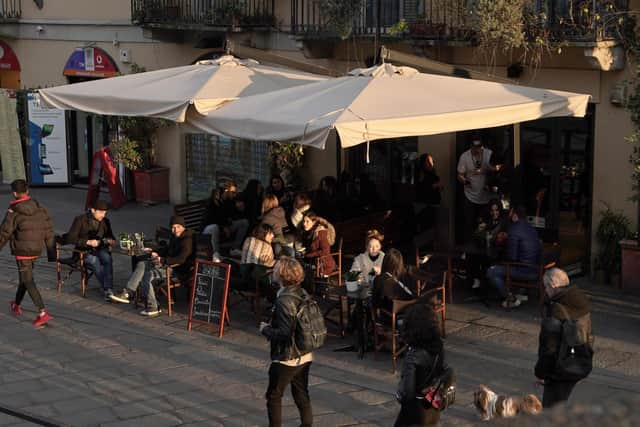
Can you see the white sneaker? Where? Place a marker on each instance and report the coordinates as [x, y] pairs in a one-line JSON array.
[[425, 259], [522, 297], [511, 302], [235, 253], [151, 313], [216, 257], [476, 284]]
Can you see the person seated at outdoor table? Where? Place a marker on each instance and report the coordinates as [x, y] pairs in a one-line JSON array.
[[317, 238], [278, 189], [257, 258], [222, 216], [274, 216], [492, 235], [252, 196], [369, 263], [523, 245], [325, 200], [91, 232], [394, 282], [178, 255], [301, 204]]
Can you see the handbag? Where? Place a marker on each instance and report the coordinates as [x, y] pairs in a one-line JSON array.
[[440, 391]]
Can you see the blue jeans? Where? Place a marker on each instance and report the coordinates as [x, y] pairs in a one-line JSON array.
[[496, 276], [102, 264]]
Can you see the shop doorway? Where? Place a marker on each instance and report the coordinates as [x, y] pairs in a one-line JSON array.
[[557, 154]]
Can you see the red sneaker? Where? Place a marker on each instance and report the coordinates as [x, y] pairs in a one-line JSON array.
[[15, 308], [42, 319]]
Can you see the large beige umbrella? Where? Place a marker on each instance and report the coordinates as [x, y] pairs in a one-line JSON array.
[[385, 102], [168, 93]]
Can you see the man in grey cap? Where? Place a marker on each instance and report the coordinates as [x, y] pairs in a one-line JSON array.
[[91, 232], [178, 255]]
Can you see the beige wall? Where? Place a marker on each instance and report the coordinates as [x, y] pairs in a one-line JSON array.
[[319, 163], [43, 61], [79, 10], [172, 154]]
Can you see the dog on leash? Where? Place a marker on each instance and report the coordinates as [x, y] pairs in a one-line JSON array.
[[491, 405]]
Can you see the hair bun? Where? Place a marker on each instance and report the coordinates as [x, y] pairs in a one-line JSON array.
[[375, 234]]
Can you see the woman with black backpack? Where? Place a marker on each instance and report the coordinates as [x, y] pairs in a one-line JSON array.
[[289, 363], [423, 368]]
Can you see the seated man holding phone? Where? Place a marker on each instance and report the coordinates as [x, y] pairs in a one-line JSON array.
[[178, 255], [91, 232]]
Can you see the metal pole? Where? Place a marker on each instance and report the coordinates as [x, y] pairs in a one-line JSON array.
[[377, 43]]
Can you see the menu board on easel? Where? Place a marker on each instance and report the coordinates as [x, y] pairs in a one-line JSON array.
[[209, 294]]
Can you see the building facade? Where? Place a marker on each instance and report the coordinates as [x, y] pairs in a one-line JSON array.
[[583, 162]]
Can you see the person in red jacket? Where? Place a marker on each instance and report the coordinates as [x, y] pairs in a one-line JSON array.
[[318, 237], [28, 227]]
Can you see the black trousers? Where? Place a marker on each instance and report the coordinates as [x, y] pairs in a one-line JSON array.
[[556, 392], [25, 273], [472, 213], [280, 376]]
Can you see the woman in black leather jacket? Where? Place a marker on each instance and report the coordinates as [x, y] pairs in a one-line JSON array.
[[288, 364], [424, 356]]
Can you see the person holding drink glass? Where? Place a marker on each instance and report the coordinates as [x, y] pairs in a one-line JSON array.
[[178, 254]]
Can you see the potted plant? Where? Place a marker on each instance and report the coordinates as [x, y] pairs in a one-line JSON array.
[[287, 160], [613, 227], [351, 280]]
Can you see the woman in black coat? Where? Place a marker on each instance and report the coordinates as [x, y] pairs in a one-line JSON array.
[[424, 359]]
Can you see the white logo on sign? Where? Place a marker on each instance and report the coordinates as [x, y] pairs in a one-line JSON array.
[[88, 59], [99, 59]]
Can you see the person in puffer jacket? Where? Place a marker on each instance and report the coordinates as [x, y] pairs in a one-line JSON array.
[[28, 228]]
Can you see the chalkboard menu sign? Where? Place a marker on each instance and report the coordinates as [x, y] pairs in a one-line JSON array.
[[209, 295]]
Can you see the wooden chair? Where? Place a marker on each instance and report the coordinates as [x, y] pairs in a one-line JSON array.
[[384, 333], [330, 286], [71, 264], [549, 259], [253, 295], [439, 292], [448, 271], [166, 285]]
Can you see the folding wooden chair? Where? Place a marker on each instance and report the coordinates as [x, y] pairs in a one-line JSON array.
[[384, 333], [72, 264], [331, 290]]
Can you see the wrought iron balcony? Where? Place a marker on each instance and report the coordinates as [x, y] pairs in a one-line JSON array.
[[196, 14], [452, 20], [10, 10]]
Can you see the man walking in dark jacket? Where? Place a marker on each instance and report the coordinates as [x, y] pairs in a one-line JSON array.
[[523, 245], [563, 302], [91, 232], [27, 226], [178, 255]]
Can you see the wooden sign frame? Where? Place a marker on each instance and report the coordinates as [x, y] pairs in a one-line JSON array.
[[224, 312]]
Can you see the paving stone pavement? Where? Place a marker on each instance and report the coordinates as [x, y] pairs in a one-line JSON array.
[[103, 364]]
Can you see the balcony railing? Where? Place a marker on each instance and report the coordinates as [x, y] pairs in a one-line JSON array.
[[452, 19], [10, 10], [200, 13]]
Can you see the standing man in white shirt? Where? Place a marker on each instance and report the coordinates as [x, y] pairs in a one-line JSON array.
[[473, 167]]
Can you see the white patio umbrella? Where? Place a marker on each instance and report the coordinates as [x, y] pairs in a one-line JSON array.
[[385, 102], [168, 93]]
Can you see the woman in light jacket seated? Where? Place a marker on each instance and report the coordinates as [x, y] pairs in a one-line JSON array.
[[369, 263], [257, 257], [275, 216]]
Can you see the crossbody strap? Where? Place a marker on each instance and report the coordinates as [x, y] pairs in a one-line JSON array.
[[402, 285]]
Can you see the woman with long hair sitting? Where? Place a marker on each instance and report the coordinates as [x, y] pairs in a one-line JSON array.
[[274, 216], [394, 282], [257, 258]]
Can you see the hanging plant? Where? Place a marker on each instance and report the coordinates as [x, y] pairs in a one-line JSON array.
[[126, 152], [340, 15], [287, 160]]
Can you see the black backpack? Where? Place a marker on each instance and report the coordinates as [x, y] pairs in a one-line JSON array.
[[309, 330], [575, 354]]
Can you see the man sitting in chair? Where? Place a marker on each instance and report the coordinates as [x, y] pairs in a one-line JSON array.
[[523, 246], [91, 232], [178, 255]]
